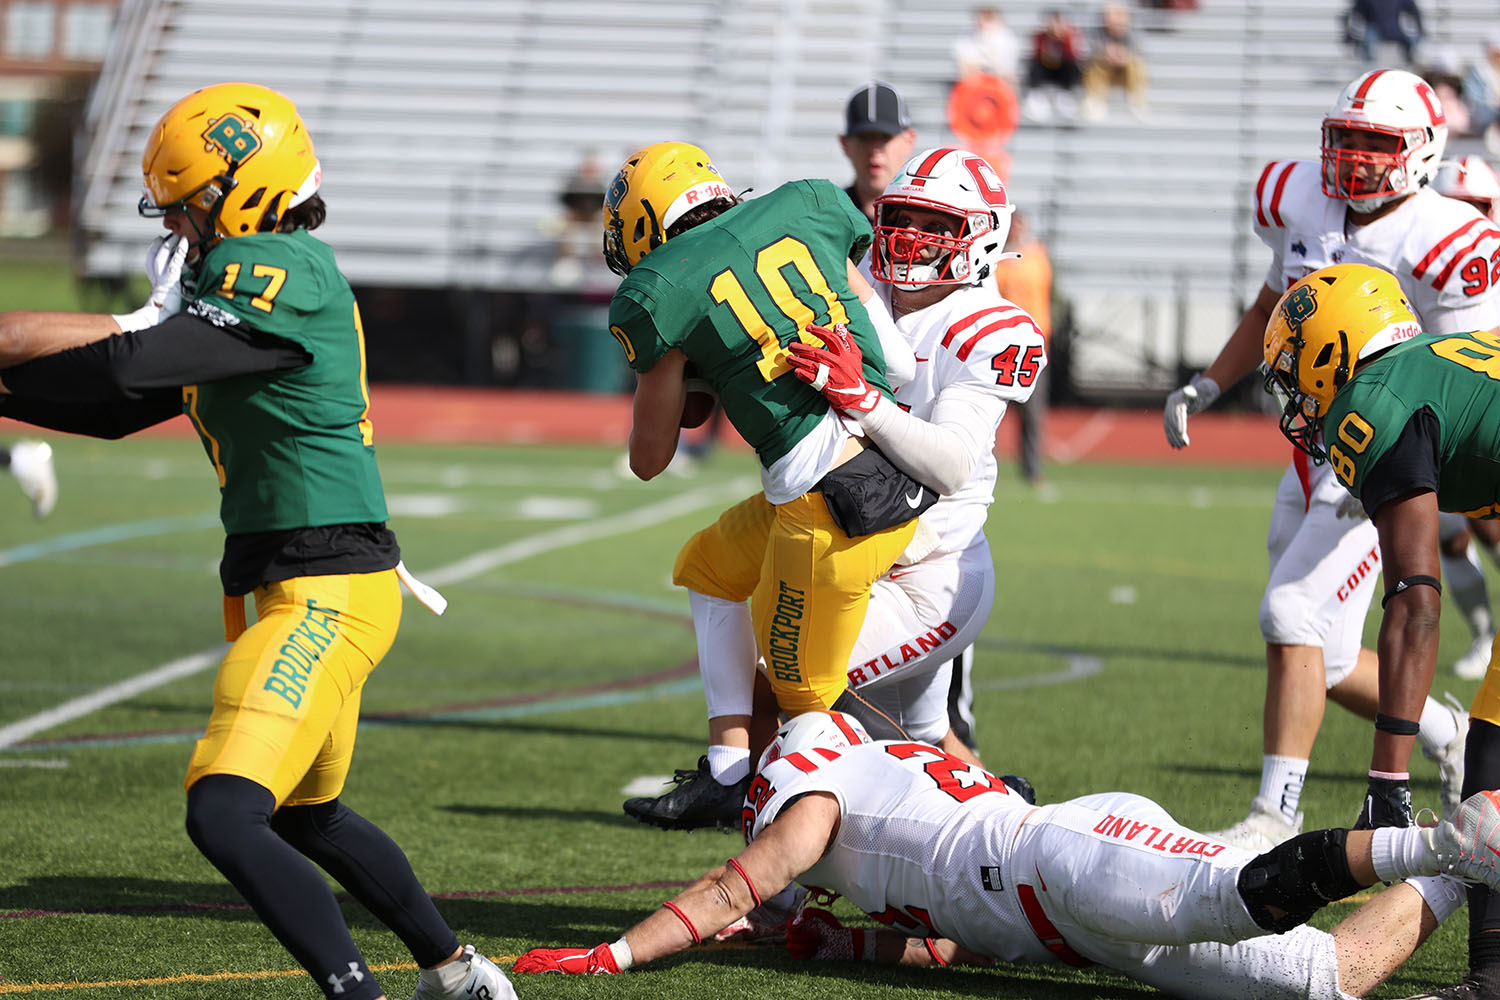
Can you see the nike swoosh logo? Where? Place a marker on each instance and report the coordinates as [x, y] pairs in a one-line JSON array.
[[913, 501]]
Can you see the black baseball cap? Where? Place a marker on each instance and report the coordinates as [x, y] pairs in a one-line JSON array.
[[876, 107]]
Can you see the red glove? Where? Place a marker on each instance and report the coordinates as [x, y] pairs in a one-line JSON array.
[[579, 961], [817, 934], [837, 370]]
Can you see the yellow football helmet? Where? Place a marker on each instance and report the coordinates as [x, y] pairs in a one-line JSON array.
[[655, 187], [238, 150], [1320, 330]]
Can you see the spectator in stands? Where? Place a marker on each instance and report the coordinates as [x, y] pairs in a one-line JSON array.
[[1055, 71], [992, 48], [1027, 282], [1368, 23], [877, 139], [1113, 61], [1445, 70]]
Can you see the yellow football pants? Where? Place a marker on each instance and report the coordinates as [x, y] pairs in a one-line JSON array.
[[1486, 704], [286, 698], [807, 582]]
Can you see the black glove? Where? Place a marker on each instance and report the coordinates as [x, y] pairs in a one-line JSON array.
[[1387, 803], [1021, 787]]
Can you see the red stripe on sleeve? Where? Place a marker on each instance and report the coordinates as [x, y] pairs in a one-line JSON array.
[[1260, 193], [1276, 196], [1442, 278], [1426, 262], [1010, 322], [970, 320], [800, 762]]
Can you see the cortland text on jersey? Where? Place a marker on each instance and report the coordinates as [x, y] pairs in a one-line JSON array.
[[1163, 839], [1369, 564], [784, 653], [901, 653]]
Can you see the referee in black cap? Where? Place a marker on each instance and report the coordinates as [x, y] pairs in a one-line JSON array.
[[878, 139]]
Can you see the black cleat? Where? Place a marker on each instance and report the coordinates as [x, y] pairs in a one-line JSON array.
[[698, 802], [1479, 984]]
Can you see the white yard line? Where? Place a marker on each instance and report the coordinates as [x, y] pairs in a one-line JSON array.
[[465, 569]]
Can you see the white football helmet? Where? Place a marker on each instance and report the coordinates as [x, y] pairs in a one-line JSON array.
[[957, 184], [1383, 102], [1470, 179], [830, 730]]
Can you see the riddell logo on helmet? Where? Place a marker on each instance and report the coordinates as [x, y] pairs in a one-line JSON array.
[[709, 191]]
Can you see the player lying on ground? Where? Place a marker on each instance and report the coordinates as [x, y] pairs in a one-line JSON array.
[[964, 870]]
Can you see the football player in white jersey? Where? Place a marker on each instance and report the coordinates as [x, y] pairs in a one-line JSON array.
[[940, 231], [1369, 200], [1470, 179], [963, 870]]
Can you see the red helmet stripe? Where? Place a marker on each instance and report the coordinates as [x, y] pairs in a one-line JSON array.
[[846, 729], [1364, 89], [1432, 256], [800, 762], [924, 171]]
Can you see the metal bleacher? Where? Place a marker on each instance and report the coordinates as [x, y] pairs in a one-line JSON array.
[[446, 130]]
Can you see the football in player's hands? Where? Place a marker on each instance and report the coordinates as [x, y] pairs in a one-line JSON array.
[[701, 398]]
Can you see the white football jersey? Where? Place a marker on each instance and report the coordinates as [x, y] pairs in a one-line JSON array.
[[973, 344], [1444, 252], [924, 844]]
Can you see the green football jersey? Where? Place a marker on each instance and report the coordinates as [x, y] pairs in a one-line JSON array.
[[1457, 377], [293, 448], [733, 292]]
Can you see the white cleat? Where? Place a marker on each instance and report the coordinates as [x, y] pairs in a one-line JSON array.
[[1450, 760], [485, 981], [31, 464], [1262, 830], [1467, 845], [1476, 662]]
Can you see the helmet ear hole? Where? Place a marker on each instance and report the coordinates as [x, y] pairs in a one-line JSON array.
[[1324, 356]]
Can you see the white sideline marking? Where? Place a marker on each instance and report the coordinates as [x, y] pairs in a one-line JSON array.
[[464, 569], [77, 707]]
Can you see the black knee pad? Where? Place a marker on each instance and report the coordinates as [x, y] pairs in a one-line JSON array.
[[1297, 878], [879, 725], [222, 809]]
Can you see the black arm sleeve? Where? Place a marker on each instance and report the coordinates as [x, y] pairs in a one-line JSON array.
[[183, 350], [113, 418], [1411, 465]]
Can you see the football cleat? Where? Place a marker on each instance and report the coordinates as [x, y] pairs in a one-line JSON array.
[[698, 802], [1476, 662], [1480, 984], [485, 981], [1260, 831], [31, 464], [1450, 760], [1467, 844]]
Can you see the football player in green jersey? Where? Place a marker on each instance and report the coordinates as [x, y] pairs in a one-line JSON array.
[[268, 361], [725, 286], [1410, 423]]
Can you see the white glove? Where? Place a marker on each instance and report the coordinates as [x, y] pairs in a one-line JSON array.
[[164, 259], [1196, 395], [1351, 508]]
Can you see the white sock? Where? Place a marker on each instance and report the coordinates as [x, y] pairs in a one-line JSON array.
[[1442, 894], [1281, 780], [728, 764], [450, 978], [1438, 728], [1464, 580], [1398, 852]]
